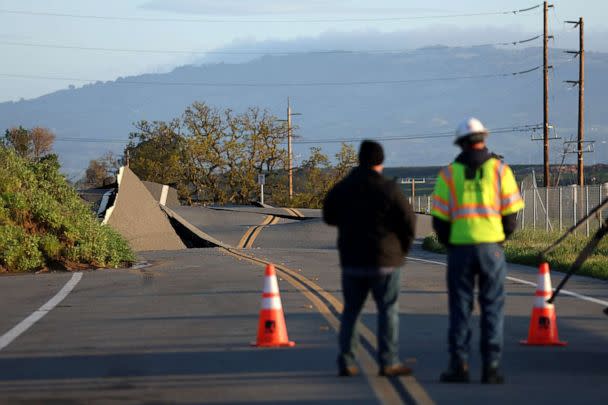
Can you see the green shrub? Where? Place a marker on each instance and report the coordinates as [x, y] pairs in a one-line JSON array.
[[43, 221], [50, 246], [432, 244], [18, 250]]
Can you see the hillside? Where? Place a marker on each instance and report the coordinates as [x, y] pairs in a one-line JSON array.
[[44, 224], [422, 106]]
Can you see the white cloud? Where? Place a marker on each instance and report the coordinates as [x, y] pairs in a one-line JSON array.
[[439, 122]]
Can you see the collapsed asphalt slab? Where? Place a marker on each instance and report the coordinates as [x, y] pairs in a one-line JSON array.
[[138, 217]]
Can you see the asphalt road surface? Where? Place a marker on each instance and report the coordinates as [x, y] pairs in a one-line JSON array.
[[178, 328]]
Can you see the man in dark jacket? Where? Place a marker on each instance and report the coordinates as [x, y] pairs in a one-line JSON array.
[[376, 226]]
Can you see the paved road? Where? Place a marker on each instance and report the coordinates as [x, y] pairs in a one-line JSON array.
[[179, 329]]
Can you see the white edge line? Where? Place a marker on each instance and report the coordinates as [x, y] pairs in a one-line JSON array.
[[35, 316], [519, 280]]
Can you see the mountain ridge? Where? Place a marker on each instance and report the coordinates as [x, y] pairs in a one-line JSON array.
[[393, 94]]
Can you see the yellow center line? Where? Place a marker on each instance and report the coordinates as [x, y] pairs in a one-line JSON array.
[[253, 236], [246, 235], [292, 212], [252, 232], [381, 386], [298, 212]]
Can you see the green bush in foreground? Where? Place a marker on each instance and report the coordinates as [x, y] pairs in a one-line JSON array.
[[44, 223], [525, 245]]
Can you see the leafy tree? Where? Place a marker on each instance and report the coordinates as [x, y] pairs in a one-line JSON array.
[[101, 170], [205, 157], [19, 140], [316, 178], [258, 150], [32, 143], [225, 151], [156, 152], [346, 159]]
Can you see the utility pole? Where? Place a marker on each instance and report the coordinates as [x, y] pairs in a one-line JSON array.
[[413, 182], [581, 103], [289, 163], [289, 149], [581, 99], [546, 67]]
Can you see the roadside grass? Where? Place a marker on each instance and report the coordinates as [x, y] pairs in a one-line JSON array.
[[525, 245], [44, 224]]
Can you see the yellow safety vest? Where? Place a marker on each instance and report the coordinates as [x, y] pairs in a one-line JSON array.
[[475, 207]]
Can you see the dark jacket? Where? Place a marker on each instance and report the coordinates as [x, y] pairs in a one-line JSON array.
[[472, 159], [376, 224]]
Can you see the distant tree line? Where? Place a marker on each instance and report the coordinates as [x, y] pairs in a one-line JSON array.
[[211, 156]]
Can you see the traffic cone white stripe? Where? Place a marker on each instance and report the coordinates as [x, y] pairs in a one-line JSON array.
[[541, 302], [543, 290], [544, 282], [272, 303], [271, 285]]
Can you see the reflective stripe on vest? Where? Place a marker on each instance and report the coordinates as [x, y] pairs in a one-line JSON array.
[[475, 205], [456, 210]]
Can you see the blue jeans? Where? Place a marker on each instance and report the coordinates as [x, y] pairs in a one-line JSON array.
[[385, 290], [487, 263]]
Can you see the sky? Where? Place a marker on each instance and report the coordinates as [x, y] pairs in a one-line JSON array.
[[42, 41]]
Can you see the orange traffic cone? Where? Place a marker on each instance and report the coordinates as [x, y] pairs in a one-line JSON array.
[[272, 331], [543, 325]]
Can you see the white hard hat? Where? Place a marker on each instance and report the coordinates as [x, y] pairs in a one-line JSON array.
[[470, 126]]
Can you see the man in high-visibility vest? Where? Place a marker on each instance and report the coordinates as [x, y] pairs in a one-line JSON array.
[[475, 202]]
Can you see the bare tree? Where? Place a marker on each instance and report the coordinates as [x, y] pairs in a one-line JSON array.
[[41, 140]]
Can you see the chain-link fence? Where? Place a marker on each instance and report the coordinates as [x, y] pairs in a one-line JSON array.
[[552, 209], [421, 203], [556, 209]]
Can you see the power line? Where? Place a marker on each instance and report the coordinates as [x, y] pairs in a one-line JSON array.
[[239, 51], [91, 140], [447, 134], [280, 84], [241, 20], [432, 135]]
